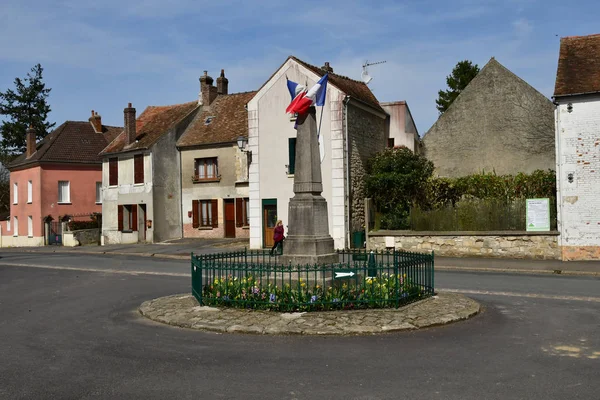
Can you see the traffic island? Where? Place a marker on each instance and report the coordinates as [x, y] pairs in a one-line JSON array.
[[183, 311]]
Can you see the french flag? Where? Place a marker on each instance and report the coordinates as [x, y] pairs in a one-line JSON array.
[[305, 99]]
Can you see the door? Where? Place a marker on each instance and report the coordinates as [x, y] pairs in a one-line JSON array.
[[142, 223], [269, 221], [55, 233], [229, 218]]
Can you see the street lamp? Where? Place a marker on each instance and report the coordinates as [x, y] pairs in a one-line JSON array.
[[242, 142]]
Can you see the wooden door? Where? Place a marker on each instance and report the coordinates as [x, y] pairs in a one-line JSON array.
[[142, 223], [269, 221], [229, 218]]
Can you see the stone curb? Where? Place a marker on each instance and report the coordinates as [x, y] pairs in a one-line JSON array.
[[183, 311]]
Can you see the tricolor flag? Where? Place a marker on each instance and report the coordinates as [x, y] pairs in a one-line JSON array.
[[292, 86], [304, 100]]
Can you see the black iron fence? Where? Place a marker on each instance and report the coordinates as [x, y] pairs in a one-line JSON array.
[[361, 279]]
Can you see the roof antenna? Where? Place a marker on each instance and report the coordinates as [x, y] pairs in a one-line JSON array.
[[366, 78]]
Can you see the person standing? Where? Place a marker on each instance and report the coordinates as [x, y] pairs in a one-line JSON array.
[[277, 236]]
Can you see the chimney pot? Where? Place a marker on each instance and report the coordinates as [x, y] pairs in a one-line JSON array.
[[222, 84], [327, 67], [130, 128], [96, 122], [207, 91]]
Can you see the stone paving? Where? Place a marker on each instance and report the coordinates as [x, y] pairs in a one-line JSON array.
[[183, 311]]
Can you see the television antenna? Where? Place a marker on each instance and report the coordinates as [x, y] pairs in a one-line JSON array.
[[366, 78]]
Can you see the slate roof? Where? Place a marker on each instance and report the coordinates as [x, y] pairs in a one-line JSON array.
[[578, 66], [71, 142], [228, 120], [356, 89], [154, 122]]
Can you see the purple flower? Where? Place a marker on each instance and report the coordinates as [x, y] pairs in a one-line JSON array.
[[336, 300], [313, 299], [272, 298]]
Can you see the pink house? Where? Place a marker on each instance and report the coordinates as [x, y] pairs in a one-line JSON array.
[[56, 179]]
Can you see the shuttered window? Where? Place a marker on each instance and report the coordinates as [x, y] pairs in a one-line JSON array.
[[138, 166], [206, 169], [113, 171], [205, 213], [242, 206], [127, 217]]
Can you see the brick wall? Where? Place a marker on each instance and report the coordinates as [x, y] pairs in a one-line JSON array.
[[578, 177]]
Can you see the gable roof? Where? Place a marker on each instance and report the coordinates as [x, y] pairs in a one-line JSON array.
[[228, 121], [151, 125], [578, 66], [353, 88], [71, 142]]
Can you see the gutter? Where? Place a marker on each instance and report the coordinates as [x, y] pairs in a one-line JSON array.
[[575, 94]]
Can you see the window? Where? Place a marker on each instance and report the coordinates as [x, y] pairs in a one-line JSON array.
[[113, 171], [29, 192], [390, 142], [16, 227], [30, 226], [138, 168], [127, 217], [205, 213], [64, 192], [242, 207], [98, 192], [205, 169], [292, 155], [15, 193]]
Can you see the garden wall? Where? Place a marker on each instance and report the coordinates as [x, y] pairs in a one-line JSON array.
[[499, 244], [81, 237]]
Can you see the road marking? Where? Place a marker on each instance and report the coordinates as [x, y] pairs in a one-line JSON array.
[[106, 271], [528, 295]]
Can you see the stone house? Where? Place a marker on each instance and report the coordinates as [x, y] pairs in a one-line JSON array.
[[499, 123], [577, 99], [353, 125], [56, 178], [141, 188], [214, 169], [400, 125]]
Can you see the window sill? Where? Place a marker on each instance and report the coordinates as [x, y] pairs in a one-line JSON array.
[[98, 204], [127, 231], [290, 175], [64, 203], [246, 227], [139, 184], [205, 228], [206, 180], [29, 202]]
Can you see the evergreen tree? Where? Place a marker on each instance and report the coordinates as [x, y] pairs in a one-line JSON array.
[[457, 81], [22, 107]]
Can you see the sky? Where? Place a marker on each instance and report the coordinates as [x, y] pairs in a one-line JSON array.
[[101, 55]]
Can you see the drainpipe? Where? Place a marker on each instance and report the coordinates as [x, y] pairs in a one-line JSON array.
[[559, 173], [347, 156]]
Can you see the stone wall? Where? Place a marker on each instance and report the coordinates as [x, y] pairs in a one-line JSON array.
[[517, 244], [81, 237], [366, 133]]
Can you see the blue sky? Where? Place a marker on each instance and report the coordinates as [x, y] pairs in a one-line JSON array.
[[103, 54]]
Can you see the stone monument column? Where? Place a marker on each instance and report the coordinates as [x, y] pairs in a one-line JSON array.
[[308, 240]]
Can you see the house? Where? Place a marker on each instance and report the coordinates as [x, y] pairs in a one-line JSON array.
[[497, 123], [401, 128], [59, 177], [577, 99], [353, 126], [214, 169], [141, 188]]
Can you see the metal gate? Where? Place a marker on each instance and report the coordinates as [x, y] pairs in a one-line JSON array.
[[55, 233]]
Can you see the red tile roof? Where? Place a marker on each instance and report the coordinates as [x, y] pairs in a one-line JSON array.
[[578, 66], [71, 142], [154, 122], [228, 121]]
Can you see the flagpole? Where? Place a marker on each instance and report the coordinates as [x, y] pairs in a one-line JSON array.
[[320, 121]]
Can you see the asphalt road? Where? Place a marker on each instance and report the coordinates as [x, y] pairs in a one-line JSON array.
[[75, 334]]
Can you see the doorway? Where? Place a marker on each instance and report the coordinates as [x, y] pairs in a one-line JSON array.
[[229, 218], [142, 224], [269, 221]]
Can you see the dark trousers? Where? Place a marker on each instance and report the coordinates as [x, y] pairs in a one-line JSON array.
[[275, 246]]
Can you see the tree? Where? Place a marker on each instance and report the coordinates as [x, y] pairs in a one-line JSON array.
[[461, 75], [25, 106], [5, 159], [396, 179]]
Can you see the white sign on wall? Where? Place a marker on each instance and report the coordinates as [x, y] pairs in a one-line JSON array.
[[538, 215]]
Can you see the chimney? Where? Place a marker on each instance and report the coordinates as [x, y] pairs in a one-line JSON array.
[[207, 91], [130, 132], [222, 83], [30, 138], [326, 67], [96, 121]]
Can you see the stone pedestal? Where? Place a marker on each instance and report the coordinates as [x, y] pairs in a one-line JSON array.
[[308, 240]]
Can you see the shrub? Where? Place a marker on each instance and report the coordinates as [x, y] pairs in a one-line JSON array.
[[77, 225]]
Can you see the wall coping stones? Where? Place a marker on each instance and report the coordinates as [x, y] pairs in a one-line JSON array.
[[461, 233]]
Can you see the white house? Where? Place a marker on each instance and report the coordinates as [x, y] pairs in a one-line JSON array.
[[577, 99], [353, 125], [402, 130]]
